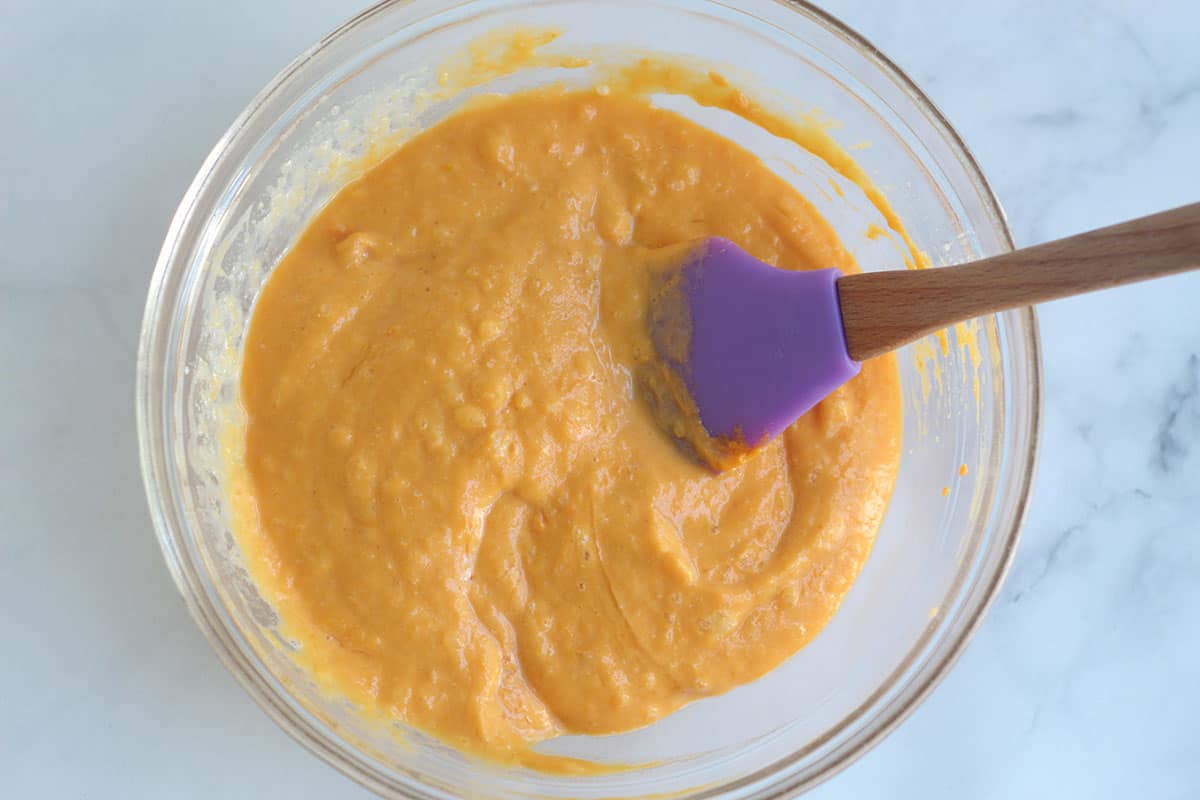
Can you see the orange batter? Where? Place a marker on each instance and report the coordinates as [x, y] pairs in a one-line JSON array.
[[464, 510]]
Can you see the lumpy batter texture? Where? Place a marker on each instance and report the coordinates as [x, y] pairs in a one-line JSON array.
[[463, 508]]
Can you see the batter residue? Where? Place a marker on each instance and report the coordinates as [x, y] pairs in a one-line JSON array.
[[464, 511]]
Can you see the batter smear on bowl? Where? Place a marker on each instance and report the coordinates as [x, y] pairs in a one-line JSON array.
[[462, 506]]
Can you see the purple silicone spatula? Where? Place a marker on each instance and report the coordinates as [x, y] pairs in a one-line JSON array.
[[754, 347]]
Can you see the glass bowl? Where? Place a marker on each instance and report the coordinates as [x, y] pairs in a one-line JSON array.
[[972, 400]]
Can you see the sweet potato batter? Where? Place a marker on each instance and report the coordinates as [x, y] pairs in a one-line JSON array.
[[464, 510]]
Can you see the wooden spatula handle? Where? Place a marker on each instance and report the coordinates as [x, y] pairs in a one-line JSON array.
[[882, 311]]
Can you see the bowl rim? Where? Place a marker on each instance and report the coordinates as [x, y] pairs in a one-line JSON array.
[[314, 735]]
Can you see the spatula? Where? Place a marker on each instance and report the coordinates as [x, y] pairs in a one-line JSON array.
[[747, 348]]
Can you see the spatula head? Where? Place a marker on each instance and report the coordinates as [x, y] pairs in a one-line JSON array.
[[744, 349]]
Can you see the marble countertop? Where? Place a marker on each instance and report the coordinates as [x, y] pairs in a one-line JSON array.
[[1082, 681]]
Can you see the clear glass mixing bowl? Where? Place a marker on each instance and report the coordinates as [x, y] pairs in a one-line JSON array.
[[939, 559]]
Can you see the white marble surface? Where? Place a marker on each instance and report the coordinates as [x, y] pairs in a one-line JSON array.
[[1083, 679]]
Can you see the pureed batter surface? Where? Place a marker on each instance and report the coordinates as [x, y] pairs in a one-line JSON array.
[[463, 510]]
